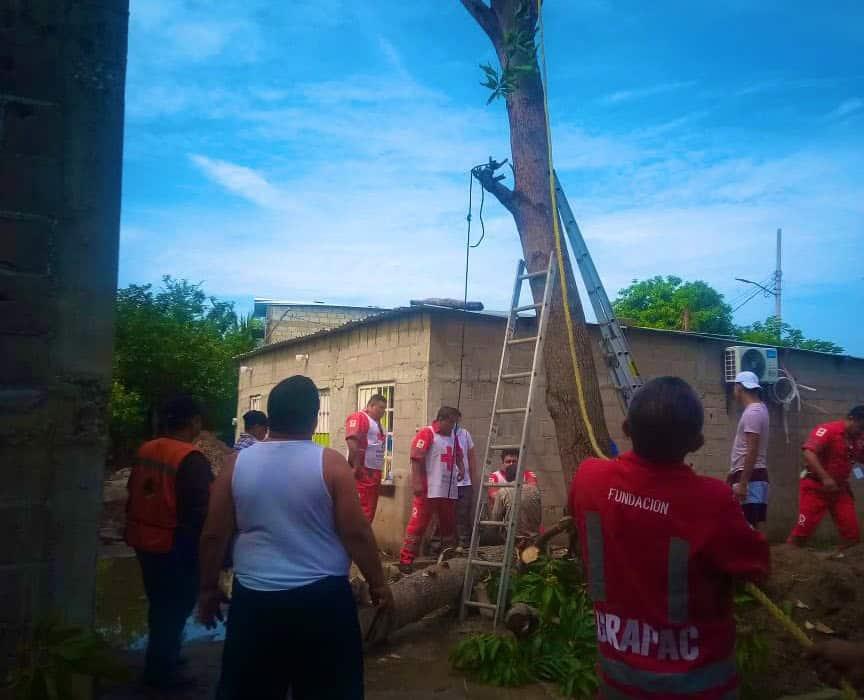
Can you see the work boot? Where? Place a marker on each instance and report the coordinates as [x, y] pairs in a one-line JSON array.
[[405, 569]]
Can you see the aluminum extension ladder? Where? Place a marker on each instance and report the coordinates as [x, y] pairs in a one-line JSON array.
[[616, 350], [497, 442]]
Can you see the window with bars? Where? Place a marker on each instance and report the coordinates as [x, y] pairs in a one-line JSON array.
[[366, 392], [255, 402], [322, 431]]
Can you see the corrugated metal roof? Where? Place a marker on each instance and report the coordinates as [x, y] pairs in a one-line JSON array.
[[399, 312], [260, 305]]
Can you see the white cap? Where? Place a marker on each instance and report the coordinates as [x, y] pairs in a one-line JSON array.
[[748, 380]]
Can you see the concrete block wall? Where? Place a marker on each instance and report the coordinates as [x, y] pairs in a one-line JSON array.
[[839, 382], [421, 355], [288, 322], [392, 351], [62, 74]]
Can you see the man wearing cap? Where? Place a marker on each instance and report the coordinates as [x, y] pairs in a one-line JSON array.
[[748, 474]]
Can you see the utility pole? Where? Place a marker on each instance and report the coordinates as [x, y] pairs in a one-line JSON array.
[[778, 281], [776, 290]]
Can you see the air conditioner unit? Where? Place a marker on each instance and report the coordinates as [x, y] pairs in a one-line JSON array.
[[744, 358]]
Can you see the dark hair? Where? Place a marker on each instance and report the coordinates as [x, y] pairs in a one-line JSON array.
[[665, 419], [857, 414], [448, 413], [178, 412], [376, 398], [510, 451], [254, 418], [293, 406]]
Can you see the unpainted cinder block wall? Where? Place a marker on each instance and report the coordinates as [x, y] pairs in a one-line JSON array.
[[839, 384], [390, 351], [289, 322], [62, 75]]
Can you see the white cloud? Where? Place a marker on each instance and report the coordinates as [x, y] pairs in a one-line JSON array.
[[847, 107], [640, 93], [244, 182]]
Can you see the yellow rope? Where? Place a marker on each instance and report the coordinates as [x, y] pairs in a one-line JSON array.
[[785, 621], [580, 392], [792, 628]]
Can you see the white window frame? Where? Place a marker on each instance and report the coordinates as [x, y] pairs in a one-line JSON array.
[[255, 402], [388, 390], [323, 426]]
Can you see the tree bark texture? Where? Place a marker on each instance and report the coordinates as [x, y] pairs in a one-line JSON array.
[[530, 204]]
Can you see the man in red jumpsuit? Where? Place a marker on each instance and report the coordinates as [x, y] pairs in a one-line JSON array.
[[661, 547], [829, 454], [435, 474], [366, 444]]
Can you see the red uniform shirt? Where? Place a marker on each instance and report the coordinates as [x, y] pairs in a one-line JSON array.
[[661, 546], [835, 450], [369, 436]]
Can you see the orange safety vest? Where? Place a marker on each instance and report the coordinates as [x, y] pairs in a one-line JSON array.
[[151, 512]]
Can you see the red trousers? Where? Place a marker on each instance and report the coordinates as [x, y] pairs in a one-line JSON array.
[[422, 511], [813, 503], [368, 486]]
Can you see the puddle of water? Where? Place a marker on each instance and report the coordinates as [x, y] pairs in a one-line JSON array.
[[121, 607]]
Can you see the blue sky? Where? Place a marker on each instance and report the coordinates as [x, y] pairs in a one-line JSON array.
[[319, 149]]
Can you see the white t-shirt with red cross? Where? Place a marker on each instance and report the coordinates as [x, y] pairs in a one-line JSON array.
[[437, 452], [370, 438]]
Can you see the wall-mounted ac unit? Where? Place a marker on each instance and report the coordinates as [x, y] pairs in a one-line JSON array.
[[761, 361]]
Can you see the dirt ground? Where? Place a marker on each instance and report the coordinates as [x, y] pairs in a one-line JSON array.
[[413, 664], [814, 589]]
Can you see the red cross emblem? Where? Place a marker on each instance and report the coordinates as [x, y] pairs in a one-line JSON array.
[[447, 458]]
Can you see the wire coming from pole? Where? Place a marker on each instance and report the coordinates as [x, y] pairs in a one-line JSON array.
[[468, 247]]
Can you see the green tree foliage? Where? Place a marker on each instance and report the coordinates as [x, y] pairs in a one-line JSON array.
[[673, 304], [563, 647], [670, 303], [174, 339], [773, 332]]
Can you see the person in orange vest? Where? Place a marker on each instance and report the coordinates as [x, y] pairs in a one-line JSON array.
[[169, 490], [661, 547]]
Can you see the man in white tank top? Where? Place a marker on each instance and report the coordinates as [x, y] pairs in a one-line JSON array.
[[366, 443], [435, 473], [294, 507]]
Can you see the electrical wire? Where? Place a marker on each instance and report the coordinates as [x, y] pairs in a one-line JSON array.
[[468, 248]]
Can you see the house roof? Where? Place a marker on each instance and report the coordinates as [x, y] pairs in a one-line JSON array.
[[261, 304], [383, 315], [405, 311]]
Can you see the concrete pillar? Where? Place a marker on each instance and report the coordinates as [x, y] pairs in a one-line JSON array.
[[62, 76]]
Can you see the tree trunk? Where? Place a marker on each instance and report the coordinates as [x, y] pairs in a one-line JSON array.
[[414, 597], [530, 204]]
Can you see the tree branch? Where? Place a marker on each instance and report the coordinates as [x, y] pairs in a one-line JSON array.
[[487, 20], [502, 193]]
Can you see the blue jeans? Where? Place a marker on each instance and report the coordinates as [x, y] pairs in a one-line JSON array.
[[171, 584]]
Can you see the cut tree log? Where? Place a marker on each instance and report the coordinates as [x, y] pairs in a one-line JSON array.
[[417, 595], [533, 552]]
